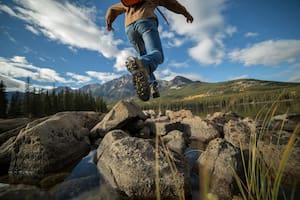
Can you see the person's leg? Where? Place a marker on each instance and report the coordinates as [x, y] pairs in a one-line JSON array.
[[148, 29], [135, 39], [139, 73]]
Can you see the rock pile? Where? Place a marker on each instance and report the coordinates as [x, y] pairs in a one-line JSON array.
[[139, 152]]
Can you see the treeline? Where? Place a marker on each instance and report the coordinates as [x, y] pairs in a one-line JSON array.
[[38, 103], [247, 103]]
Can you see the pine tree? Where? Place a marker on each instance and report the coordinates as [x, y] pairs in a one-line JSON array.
[[3, 100], [15, 106], [27, 99], [47, 103]]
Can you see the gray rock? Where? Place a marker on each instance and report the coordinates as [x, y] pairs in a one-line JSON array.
[[286, 122], [201, 130], [8, 134], [5, 155], [121, 114], [10, 124], [217, 164], [179, 115], [218, 119], [175, 141], [17, 192], [50, 146], [163, 128], [273, 148], [128, 165], [238, 133]]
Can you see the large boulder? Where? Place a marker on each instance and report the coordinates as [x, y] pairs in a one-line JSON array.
[[5, 154], [8, 134], [16, 192], [286, 122], [218, 119], [200, 130], [218, 164], [128, 164], [273, 148], [238, 132], [9, 124], [179, 115], [121, 114], [52, 145]]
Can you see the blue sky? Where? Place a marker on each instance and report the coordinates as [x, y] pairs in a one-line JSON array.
[[65, 43]]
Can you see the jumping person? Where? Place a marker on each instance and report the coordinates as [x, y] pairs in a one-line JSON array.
[[141, 26]]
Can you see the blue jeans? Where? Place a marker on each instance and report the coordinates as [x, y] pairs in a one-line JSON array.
[[144, 37]]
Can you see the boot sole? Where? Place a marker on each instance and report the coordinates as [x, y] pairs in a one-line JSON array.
[[139, 78]]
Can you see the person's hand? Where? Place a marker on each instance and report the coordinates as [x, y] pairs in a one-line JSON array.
[[189, 18], [109, 27]]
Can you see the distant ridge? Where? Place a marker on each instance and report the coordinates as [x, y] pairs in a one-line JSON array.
[[181, 87]]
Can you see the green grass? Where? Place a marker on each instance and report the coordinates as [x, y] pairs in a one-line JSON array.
[[262, 181]]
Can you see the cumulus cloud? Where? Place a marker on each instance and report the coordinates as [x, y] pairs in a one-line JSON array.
[[251, 34], [173, 40], [8, 10], [32, 29], [68, 24], [79, 78], [176, 64], [19, 67], [268, 53], [14, 69], [295, 77], [208, 30], [103, 76], [12, 84]]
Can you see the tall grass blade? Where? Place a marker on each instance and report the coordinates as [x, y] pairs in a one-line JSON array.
[[157, 179]]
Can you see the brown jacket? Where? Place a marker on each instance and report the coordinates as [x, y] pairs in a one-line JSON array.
[[142, 11]]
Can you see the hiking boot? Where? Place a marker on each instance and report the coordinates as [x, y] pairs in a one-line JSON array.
[[155, 91], [139, 77]]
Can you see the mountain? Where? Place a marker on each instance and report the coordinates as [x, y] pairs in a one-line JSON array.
[[113, 90], [180, 81], [122, 88], [181, 88], [199, 90]]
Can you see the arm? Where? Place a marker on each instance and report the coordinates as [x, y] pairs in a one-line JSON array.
[[112, 13], [177, 8]]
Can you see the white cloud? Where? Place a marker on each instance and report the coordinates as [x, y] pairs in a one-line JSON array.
[[103, 76], [230, 30], [12, 84], [166, 34], [178, 64], [8, 10], [208, 29], [173, 40], [121, 57], [295, 77], [79, 78], [176, 42], [68, 24], [19, 67], [268, 53], [206, 52], [251, 34], [32, 29]]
